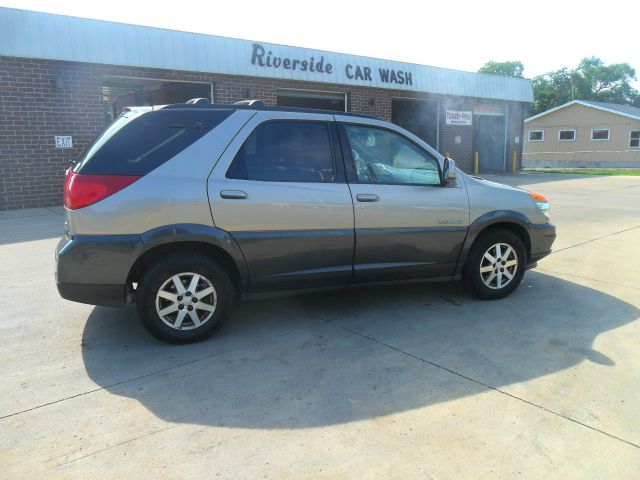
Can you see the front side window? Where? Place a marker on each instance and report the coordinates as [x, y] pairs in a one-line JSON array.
[[285, 151], [536, 135], [600, 134], [383, 156], [567, 135], [634, 140]]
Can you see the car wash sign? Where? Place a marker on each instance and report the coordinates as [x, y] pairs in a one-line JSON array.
[[459, 118], [330, 70]]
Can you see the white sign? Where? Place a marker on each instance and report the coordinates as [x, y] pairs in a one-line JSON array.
[[459, 118], [63, 141]]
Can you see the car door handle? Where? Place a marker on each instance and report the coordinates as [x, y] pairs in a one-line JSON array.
[[233, 194], [367, 197]]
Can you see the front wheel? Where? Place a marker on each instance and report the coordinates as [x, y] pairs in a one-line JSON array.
[[495, 265], [184, 298]]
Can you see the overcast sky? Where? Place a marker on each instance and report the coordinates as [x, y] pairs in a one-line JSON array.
[[544, 35]]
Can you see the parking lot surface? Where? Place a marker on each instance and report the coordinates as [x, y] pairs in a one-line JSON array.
[[411, 381]]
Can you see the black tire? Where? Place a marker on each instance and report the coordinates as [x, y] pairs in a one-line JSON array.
[[160, 273], [472, 276]]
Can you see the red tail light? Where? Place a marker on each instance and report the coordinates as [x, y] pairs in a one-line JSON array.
[[82, 190]]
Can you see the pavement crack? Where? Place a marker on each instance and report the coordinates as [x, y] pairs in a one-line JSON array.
[[478, 382], [96, 452], [596, 239], [146, 375]]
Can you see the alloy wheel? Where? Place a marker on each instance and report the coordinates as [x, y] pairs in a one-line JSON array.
[[498, 266], [186, 301]]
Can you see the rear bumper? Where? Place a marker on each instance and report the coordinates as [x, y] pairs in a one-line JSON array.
[[542, 238], [93, 269], [108, 295]]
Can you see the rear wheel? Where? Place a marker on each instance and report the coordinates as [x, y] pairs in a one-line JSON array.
[[184, 298], [495, 265]]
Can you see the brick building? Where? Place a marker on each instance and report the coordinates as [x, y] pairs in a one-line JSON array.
[[63, 79]]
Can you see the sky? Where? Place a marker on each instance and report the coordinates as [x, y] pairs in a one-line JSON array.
[[464, 35]]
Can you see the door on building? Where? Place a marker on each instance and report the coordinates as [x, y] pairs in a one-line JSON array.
[[420, 117], [489, 142], [311, 99]]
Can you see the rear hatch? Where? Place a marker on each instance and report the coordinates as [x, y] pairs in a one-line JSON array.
[[137, 142]]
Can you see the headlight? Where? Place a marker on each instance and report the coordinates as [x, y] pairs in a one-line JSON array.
[[541, 202]]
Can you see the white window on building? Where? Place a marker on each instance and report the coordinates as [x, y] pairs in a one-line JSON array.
[[567, 135], [536, 135], [599, 134], [634, 139]]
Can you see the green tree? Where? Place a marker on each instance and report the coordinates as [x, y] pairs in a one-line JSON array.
[[552, 89], [590, 80], [606, 83], [504, 69]]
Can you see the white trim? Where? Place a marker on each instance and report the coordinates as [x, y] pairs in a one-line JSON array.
[[573, 152], [437, 126], [630, 132], [567, 130], [506, 138], [550, 111], [601, 139], [584, 104], [531, 131]]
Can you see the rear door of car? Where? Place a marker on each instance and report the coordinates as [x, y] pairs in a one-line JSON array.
[[280, 190], [408, 225]]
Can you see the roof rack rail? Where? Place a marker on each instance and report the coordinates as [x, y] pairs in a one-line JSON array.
[[251, 103], [198, 101], [254, 105]]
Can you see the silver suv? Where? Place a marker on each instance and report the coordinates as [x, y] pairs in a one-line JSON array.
[[179, 208]]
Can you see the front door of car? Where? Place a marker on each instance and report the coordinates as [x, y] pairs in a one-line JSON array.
[[407, 224], [279, 189]]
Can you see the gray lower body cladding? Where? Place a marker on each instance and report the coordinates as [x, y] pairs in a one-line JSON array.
[[283, 260], [542, 237], [298, 259], [95, 269]]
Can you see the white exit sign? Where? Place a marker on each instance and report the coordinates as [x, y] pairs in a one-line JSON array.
[[63, 141]]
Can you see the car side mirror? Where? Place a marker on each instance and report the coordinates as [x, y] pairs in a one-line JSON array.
[[448, 171]]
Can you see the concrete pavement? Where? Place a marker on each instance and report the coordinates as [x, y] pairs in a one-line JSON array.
[[412, 381]]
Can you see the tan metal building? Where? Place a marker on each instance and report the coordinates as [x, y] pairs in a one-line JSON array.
[[583, 133]]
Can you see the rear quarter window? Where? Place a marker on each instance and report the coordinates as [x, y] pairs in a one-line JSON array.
[[136, 144]]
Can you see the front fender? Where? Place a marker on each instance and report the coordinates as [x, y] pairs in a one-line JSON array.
[[486, 220]]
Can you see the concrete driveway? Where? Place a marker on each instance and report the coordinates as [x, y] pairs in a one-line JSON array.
[[419, 381]]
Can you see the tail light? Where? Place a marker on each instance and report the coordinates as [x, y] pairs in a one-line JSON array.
[[83, 190]]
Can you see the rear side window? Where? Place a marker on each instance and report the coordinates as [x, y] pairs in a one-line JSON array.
[[285, 151], [137, 143]]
